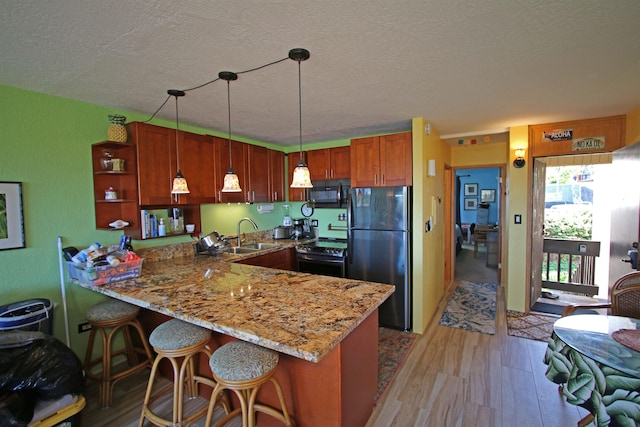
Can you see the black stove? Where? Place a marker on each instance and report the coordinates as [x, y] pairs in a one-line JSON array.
[[324, 248], [323, 256]]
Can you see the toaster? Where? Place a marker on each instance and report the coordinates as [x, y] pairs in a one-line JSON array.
[[282, 232]]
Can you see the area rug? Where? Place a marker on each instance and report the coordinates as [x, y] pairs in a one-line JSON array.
[[393, 348], [472, 307], [533, 326]]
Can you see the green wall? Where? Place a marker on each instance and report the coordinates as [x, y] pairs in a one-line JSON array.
[[46, 145]]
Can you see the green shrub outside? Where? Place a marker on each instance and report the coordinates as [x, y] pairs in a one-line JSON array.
[[575, 222]]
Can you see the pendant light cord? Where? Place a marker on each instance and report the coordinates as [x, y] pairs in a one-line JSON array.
[[177, 137], [229, 110], [300, 106]]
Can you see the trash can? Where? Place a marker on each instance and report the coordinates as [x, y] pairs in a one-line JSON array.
[[28, 315]]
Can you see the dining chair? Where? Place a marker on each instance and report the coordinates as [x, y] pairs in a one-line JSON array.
[[624, 299]]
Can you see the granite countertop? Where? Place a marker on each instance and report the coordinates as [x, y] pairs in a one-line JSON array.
[[299, 314]]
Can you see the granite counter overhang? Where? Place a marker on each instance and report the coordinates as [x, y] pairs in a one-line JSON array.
[[299, 314]]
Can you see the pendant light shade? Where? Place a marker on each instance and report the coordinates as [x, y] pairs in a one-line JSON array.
[[231, 181], [301, 176], [179, 182]]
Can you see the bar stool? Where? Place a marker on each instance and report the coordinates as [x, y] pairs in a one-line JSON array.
[[243, 367], [178, 342], [107, 318]]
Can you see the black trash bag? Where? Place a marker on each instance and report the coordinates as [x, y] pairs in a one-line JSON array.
[[37, 366]]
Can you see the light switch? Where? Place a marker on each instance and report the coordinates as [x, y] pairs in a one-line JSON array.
[[517, 219]]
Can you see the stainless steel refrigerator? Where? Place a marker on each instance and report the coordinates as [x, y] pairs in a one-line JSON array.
[[379, 246]]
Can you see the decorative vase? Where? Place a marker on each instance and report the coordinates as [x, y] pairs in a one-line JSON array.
[[116, 131]]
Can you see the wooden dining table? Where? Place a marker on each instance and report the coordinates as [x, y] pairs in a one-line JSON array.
[[595, 371]]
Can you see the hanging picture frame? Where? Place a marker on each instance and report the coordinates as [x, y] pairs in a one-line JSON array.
[[471, 189], [470, 204], [488, 196], [11, 219]]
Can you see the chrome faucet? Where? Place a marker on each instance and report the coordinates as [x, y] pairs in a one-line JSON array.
[[255, 227]]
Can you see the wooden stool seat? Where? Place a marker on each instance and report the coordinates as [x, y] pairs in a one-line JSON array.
[[107, 318], [243, 368], [178, 342]]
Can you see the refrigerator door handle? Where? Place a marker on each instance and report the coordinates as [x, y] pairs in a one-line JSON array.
[[349, 233]]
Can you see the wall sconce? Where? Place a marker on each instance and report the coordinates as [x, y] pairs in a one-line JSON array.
[[431, 167], [519, 162]]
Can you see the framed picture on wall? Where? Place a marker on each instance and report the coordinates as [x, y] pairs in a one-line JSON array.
[[11, 221], [488, 196], [470, 204], [471, 189]]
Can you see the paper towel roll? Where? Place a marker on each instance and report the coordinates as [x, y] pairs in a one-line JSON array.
[[265, 207]]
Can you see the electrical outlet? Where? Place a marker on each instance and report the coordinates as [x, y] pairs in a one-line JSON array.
[[84, 327], [314, 222]]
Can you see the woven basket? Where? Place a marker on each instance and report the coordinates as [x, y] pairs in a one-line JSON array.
[[117, 133]]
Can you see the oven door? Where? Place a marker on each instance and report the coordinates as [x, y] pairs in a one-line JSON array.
[[326, 266]]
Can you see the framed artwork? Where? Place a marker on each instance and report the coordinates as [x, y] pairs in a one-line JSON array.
[[488, 196], [470, 204], [11, 221], [471, 189]]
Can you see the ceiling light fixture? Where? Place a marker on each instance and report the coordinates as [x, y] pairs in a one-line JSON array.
[[179, 182], [301, 175], [231, 181]]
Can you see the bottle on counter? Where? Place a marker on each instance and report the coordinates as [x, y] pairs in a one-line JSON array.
[[162, 228]]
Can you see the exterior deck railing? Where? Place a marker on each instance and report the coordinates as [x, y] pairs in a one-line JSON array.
[[569, 265]]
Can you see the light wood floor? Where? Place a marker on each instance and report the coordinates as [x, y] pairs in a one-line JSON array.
[[458, 378], [450, 378]]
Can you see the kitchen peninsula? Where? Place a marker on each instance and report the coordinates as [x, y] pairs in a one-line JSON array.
[[324, 328]]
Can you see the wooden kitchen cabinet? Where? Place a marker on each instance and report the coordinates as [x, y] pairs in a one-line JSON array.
[[257, 186], [329, 163], [124, 182], [197, 163], [276, 178], [156, 156], [381, 161], [284, 259]]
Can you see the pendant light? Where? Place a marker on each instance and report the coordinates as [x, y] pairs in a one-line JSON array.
[[301, 176], [231, 181], [179, 182]]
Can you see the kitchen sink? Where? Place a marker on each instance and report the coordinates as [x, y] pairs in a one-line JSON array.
[[241, 250], [260, 246]]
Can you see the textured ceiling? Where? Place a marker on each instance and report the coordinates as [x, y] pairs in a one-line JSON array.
[[467, 66]]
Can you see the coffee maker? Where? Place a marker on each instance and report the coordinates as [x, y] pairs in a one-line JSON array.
[[301, 229]]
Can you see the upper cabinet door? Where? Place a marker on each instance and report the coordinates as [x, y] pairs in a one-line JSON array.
[[319, 164], [340, 162], [365, 162], [395, 160], [155, 150], [257, 187], [197, 162], [276, 178], [382, 161]]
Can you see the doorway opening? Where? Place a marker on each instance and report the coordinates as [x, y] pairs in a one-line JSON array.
[[570, 259], [477, 212]]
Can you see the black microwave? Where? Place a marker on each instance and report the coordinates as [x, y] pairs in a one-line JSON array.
[[329, 193]]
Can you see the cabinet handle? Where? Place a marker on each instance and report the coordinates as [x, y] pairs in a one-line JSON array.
[[375, 179], [331, 173], [219, 196], [253, 196], [326, 173], [382, 182]]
